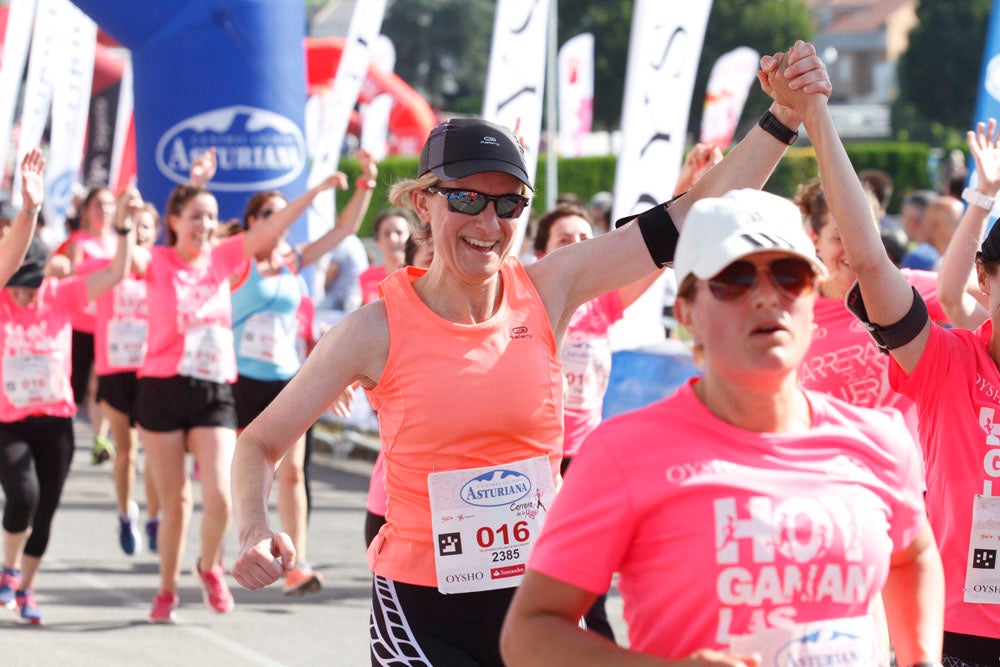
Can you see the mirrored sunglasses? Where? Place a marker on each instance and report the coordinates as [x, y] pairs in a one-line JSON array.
[[471, 202], [793, 277]]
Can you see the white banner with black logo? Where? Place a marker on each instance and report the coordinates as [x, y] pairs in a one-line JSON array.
[[38, 86], [74, 76], [15, 54], [515, 81], [664, 50], [334, 114]]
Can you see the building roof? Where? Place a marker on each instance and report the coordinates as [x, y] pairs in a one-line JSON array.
[[852, 16]]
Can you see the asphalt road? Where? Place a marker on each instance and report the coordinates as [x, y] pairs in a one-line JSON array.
[[96, 600]]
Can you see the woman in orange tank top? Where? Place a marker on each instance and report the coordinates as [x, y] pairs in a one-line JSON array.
[[461, 363]]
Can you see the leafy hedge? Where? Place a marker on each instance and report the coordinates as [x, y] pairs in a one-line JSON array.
[[905, 161]]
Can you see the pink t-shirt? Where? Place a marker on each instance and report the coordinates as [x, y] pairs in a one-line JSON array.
[[956, 386], [91, 248], [369, 280], [586, 362], [190, 326], [120, 328], [717, 531], [843, 360], [36, 343]]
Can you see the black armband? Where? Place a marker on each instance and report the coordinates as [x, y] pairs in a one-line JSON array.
[[894, 335], [658, 231]]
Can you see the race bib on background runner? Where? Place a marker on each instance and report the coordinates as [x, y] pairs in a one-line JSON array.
[[126, 343], [982, 578], [32, 379], [208, 354], [485, 521]]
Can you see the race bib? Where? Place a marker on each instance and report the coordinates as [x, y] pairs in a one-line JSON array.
[[208, 354], [126, 343], [842, 641], [33, 379], [982, 578], [586, 362], [485, 521], [269, 337]]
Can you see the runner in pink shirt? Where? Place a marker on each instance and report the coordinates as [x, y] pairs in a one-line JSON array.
[[948, 373], [391, 229], [185, 402], [93, 241], [119, 347], [36, 399], [952, 376], [743, 514]]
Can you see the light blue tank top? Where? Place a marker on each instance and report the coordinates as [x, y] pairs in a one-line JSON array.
[[264, 324]]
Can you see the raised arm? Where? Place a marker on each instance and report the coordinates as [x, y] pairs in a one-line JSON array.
[[887, 295], [349, 220], [568, 278], [15, 242], [129, 205], [959, 260]]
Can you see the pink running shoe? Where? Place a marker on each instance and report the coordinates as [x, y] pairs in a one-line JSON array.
[[28, 608], [215, 592], [163, 607], [10, 581]]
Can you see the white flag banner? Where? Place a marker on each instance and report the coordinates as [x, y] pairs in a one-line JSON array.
[[39, 84], [335, 110], [73, 78], [664, 49], [515, 81], [728, 86], [576, 93], [15, 54], [123, 119], [375, 126]]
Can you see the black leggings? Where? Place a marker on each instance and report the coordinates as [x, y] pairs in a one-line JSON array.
[[83, 362], [420, 627], [35, 455], [970, 651]]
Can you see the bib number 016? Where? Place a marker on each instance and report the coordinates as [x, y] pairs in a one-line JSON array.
[[487, 536]]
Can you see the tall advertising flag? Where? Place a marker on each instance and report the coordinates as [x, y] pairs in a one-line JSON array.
[[515, 81], [16, 40], [728, 87], [988, 100], [664, 50], [576, 93]]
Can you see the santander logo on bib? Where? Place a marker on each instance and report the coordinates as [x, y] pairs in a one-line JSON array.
[[256, 149], [496, 488]]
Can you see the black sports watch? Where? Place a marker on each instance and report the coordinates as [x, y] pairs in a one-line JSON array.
[[770, 123]]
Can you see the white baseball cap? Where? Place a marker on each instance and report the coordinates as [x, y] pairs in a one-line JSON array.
[[718, 231]]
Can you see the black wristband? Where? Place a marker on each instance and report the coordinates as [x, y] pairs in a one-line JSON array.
[[770, 124], [894, 335], [122, 231], [658, 231]]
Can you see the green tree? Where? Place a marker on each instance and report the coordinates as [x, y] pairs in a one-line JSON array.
[[443, 48], [939, 73]]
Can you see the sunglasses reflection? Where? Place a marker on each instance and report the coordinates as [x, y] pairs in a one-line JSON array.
[[792, 277]]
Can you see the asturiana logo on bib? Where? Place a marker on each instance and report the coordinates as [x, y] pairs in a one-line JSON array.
[[256, 149], [495, 488], [822, 647]]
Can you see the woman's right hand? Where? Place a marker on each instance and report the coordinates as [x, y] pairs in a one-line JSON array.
[[264, 561], [984, 144]]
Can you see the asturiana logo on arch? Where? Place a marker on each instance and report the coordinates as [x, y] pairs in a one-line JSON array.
[[496, 488], [256, 149]]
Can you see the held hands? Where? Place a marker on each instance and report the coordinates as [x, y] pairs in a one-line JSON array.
[[984, 144], [369, 167], [203, 168], [128, 205], [795, 81], [32, 179], [261, 564], [335, 180]]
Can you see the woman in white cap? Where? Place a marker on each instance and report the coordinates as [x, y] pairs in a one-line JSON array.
[[751, 522], [461, 363]]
